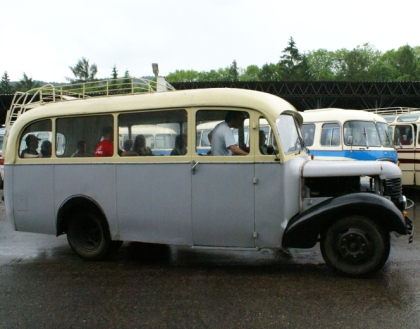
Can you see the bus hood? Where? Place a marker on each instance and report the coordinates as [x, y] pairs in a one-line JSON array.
[[320, 168]]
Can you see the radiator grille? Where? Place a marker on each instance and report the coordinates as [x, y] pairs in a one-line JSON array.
[[393, 188]]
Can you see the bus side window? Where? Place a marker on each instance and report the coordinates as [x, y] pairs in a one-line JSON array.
[[330, 135], [265, 138], [153, 133], [79, 136], [36, 140], [207, 120], [308, 132]]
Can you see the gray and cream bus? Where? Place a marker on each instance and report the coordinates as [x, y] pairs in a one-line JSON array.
[[249, 202]]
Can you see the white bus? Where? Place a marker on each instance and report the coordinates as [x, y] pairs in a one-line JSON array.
[[351, 134], [161, 140], [248, 202], [404, 127]]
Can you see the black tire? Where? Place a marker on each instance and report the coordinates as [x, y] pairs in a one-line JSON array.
[[355, 246], [89, 236]]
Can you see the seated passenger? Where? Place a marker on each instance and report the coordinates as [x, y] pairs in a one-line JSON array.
[[81, 150], [263, 146], [128, 145], [180, 145], [140, 146], [32, 143], [46, 149], [105, 147]]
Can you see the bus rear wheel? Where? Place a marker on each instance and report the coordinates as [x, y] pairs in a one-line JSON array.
[[89, 236], [355, 246]]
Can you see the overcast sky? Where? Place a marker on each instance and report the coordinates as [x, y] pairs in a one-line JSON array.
[[43, 38]]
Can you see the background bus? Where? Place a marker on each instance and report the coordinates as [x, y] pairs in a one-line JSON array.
[[161, 140], [352, 134], [404, 124]]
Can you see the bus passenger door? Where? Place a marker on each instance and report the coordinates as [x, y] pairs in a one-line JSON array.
[[222, 191], [222, 203]]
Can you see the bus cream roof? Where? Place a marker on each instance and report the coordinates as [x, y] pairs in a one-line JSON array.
[[272, 105], [269, 105], [334, 114]]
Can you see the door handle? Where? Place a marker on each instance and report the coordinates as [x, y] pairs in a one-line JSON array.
[[194, 164]]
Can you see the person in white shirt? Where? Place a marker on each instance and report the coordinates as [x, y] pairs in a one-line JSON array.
[[222, 139]]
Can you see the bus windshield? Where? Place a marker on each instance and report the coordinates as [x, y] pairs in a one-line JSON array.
[[289, 134], [384, 135], [361, 133]]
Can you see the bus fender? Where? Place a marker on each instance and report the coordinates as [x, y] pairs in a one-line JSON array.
[[303, 230]]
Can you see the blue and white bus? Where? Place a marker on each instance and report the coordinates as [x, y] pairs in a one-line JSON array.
[[352, 134]]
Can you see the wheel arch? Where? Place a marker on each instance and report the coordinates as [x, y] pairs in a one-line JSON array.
[[73, 204], [303, 230]]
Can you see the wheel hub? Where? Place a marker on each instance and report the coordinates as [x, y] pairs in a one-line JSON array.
[[354, 245]]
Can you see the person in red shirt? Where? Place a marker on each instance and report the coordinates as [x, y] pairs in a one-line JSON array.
[[105, 147]]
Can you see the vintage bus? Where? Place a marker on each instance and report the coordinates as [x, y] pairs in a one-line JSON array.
[[404, 124], [249, 202], [352, 134]]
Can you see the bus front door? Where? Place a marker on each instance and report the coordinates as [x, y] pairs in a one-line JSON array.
[[222, 204]]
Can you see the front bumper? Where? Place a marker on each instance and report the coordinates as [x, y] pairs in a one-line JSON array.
[[410, 228]]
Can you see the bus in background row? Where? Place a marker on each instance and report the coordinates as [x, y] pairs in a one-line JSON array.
[[352, 134], [404, 126], [160, 139]]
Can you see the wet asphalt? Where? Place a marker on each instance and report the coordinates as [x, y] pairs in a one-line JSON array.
[[43, 284]]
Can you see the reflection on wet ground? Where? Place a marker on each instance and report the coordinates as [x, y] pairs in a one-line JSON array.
[[43, 284]]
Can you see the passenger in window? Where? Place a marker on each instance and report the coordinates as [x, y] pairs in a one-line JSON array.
[[46, 149], [263, 146], [128, 145], [180, 145], [140, 146], [32, 143], [81, 150], [105, 147], [223, 142]]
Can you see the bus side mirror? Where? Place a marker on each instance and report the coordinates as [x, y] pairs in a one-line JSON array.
[[350, 140]]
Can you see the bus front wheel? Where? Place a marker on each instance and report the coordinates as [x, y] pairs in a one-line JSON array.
[[355, 246], [89, 236]]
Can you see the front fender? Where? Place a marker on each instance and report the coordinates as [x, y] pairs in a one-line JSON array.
[[303, 230]]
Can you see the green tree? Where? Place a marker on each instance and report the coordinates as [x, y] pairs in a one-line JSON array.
[[321, 64], [289, 61], [354, 65], [211, 75], [233, 72], [5, 86], [114, 76], [406, 63], [251, 73], [83, 71], [269, 72], [303, 70], [383, 71], [26, 84], [126, 84], [182, 76]]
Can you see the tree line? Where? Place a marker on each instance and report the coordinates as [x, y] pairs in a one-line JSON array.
[[363, 63]]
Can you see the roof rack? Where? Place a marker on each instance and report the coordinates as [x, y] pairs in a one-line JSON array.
[[393, 110], [24, 101]]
